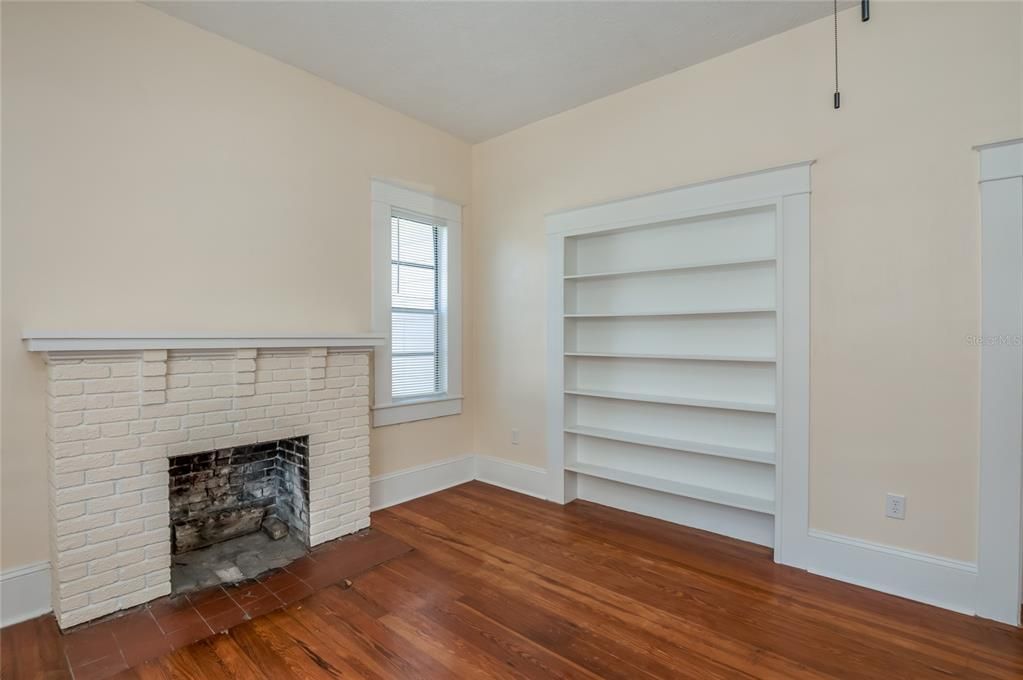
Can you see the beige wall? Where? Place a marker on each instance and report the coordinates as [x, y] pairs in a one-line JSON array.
[[895, 252], [125, 132]]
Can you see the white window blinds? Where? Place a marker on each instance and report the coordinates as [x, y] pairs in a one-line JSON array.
[[416, 329]]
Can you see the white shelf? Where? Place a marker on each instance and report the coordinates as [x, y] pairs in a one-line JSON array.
[[703, 493], [703, 448], [691, 312], [678, 401], [676, 357], [674, 268]]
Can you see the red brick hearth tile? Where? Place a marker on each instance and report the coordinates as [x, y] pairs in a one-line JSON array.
[[215, 607], [303, 567], [144, 648], [99, 669], [227, 620], [169, 605], [200, 596], [92, 643], [263, 605], [175, 621], [186, 635], [295, 592], [246, 592], [276, 581]]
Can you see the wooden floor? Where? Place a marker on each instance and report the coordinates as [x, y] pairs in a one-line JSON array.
[[501, 585]]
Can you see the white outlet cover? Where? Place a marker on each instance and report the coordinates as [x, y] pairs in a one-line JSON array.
[[895, 506]]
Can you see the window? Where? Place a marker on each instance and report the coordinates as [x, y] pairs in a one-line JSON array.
[[415, 309], [417, 298]]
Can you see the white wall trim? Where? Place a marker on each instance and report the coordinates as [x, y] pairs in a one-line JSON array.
[[24, 593], [525, 479], [753, 187], [387, 200], [38, 341], [950, 584], [1000, 530], [422, 409], [404, 485]]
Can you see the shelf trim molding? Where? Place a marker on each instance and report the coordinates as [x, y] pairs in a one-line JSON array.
[[667, 270], [104, 342], [692, 312], [674, 357], [695, 402], [707, 494], [700, 448]]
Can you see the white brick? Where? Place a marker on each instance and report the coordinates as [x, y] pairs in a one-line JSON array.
[[111, 385], [152, 368], [210, 405], [164, 410], [114, 502], [109, 430], [82, 493], [121, 587], [189, 393], [73, 434], [84, 555], [124, 369], [140, 455], [86, 584], [65, 388], [79, 371], [168, 437], [189, 366], [142, 596], [142, 426], [84, 523], [143, 511], [117, 560], [112, 444], [210, 379], [211, 431], [153, 398], [154, 355], [83, 462], [144, 539], [151, 383], [143, 481], [68, 479], [115, 531]]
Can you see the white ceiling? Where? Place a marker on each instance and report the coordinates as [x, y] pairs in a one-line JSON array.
[[479, 69]]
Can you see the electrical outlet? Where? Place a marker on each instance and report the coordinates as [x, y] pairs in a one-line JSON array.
[[515, 436], [895, 506]]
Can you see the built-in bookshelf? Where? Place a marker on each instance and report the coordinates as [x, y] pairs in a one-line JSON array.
[[665, 351]]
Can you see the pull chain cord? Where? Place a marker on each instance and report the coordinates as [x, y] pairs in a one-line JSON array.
[[838, 96]]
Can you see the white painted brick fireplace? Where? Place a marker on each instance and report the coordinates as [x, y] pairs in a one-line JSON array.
[[118, 410]]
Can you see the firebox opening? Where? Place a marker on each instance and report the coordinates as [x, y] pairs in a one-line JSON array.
[[237, 512]]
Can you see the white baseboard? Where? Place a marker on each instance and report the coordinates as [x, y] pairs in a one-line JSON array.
[[24, 593], [938, 581], [405, 485], [525, 479]]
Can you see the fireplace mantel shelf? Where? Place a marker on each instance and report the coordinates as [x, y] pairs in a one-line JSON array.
[[98, 342]]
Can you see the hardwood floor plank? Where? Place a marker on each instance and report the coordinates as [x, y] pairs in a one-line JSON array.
[[500, 585]]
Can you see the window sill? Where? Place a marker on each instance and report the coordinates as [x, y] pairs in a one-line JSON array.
[[416, 409]]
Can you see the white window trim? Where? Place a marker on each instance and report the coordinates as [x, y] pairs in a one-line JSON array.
[[389, 198]]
